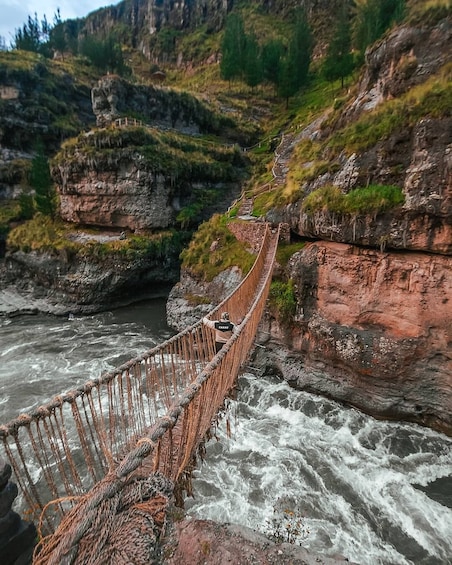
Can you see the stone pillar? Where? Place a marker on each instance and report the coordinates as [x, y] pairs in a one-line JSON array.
[[284, 233], [17, 537]]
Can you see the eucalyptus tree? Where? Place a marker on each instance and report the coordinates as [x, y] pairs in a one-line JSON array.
[[233, 47], [30, 36], [339, 61], [300, 47], [272, 55], [294, 66], [253, 72], [372, 18]]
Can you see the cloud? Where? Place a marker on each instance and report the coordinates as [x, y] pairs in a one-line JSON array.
[[14, 13], [13, 16]]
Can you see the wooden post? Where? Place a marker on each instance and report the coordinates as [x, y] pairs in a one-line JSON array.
[[17, 537]]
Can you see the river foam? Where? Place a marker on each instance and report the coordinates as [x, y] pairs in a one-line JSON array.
[[376, 492], [351, 478]]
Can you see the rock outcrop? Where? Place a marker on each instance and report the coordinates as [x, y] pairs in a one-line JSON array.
[[144, 19], [140, 175], [114, 97], [85, 280], [203, 542], [39, 101], [17, 537], [139, 178], [373, 289], [416, 155], [372, 326], [421, 224], [372, 329], [182, 308]]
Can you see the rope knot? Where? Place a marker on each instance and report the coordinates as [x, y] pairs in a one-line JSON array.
[[167, 421], [147, 440], [42, 411], [24, 419], [145, 443], [70, 396]]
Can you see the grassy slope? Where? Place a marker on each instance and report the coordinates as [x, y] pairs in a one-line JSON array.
[[202, 78]]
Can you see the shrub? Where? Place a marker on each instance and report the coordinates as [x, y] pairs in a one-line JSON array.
[[285, 251], [367, 200], [282, 297], [204, 262], [287, 524]]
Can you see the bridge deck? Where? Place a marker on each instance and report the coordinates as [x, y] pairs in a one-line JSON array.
[[150, 413]]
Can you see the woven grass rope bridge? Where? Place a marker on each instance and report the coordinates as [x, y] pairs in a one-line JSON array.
[[98, 465]]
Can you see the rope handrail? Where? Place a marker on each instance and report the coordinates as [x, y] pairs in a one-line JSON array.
[[157, 406]]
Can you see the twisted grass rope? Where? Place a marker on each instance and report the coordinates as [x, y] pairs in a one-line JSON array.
[[193, 383]]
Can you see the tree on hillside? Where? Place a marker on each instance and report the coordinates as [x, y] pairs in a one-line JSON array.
[[287, 83], [27, 206], [233, 48], [373, 18], [339, 61], [253, 62], [40, 36], [41, 181], [57, 36], [30, 36], [295, 64], [105, 54], [272, 54], [71, 30], [300, 47]]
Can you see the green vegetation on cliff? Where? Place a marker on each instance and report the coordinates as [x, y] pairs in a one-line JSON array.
[[182, 158], [371, 199], [43, 234], [433, 99], [43, 100], [9, 210], [171, 154], [214, 249], [283, 301]]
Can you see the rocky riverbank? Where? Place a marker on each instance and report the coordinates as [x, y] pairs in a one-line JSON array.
[[203, 542]]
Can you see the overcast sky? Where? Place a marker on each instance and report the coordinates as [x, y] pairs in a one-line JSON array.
[[14, 13]]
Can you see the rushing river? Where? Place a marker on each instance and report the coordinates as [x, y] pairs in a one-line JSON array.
[[376, 492]]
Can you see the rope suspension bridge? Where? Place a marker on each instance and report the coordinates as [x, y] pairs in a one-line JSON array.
[[96, 466]]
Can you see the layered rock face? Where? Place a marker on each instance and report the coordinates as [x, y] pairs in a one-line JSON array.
[[123, 197], [141, 177], [114, 97], [423, 223], [153, 15], [374, 292], [146, 17], [62, 284], [128, 189], [372, 329]]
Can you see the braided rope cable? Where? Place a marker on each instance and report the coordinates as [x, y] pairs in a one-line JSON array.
[[181, 369]]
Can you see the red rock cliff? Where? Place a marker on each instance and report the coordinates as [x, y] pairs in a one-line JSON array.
[[374, 291]]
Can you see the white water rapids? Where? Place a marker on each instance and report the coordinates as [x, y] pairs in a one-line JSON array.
[[379, 493]]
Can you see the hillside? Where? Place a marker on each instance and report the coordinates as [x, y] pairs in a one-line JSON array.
[[157, 165], [357, 168]]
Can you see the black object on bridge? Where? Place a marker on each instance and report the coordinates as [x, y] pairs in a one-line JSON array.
[[17, 537]]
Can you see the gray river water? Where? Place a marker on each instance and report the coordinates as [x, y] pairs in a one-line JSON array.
[[379, 493]]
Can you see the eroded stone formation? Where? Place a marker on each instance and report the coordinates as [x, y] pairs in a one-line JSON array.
[[372, 323]]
